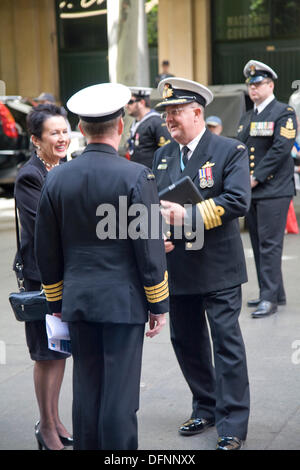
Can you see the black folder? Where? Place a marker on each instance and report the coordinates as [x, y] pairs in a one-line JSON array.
[[182, 191]]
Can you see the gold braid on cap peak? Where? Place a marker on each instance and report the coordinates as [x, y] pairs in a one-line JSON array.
[[211, 214]]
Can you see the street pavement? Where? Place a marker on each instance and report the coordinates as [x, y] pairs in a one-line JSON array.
[[273, 352]]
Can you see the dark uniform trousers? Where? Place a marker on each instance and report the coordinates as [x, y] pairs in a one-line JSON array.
[[221, 393], [269, 136], [207, 282], [266, 221], [114, 390], [104, 286]]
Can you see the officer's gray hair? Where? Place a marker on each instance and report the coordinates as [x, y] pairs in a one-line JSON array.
[[100, 129]]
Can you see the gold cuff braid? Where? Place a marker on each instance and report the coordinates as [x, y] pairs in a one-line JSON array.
[[211, 213]]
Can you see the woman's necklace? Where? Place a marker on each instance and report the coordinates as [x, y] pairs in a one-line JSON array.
[[47, 165]]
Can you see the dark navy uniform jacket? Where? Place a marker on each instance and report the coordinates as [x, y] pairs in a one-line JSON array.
[[220, 264], [150, 135], [114, 280], [270, 136]]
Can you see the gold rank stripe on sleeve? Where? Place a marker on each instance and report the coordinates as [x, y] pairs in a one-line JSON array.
[[288, 133], [211, 214], [158, 292], [53, 292]]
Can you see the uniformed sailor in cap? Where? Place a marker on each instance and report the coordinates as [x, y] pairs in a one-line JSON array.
[[208, 279], [103, 282], [269, 131], [148, 131]]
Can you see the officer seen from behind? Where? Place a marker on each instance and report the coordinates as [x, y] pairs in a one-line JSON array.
[[105, 283]]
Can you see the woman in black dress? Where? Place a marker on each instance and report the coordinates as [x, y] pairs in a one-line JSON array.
[[47, 126]]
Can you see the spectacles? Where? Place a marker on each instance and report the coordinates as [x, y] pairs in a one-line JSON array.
[[257, 84], [172, 113], [133, 101]]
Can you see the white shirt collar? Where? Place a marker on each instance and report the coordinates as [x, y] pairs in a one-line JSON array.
[[193, 144], [264, 104]]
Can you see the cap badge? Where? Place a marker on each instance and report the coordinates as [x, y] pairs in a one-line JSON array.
[[168, 91], [252, 70]]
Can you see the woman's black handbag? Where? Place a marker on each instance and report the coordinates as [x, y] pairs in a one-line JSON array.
[[27, 306]]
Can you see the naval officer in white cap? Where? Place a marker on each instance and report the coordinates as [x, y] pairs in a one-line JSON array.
[[269, 131], [207, 280], [105, 284]]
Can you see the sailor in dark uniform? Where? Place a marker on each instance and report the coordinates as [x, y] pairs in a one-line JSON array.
[[105, 279], [148, 131], [269, 131], [209, 279]]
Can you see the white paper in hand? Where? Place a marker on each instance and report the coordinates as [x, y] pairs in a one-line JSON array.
[[58, 334]]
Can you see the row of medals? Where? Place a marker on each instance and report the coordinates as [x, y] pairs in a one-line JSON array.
[[206, 183]]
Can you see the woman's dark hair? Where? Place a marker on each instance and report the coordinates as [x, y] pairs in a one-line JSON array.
[[39, 114]]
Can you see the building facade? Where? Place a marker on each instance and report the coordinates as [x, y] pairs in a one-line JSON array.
[[61, 46]]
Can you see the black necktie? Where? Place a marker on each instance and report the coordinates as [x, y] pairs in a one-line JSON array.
[[256, 111], [185, 151]]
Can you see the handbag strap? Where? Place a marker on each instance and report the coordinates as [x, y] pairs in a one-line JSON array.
[[19, 262], [17, 227]]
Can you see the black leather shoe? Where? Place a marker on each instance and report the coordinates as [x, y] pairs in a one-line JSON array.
[[229, 443], [264, 309], [195, 426], [253, 303], [256, 302]]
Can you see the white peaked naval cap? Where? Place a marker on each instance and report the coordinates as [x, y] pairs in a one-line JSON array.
[[256, 71], [180, 91], [99, 103]]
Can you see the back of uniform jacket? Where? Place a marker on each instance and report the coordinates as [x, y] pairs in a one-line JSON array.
[[87, 275]]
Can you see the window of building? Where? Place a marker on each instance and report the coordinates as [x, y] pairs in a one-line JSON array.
[[255, 19], [82, 25]]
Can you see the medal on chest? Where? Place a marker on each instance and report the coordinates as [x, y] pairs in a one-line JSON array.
[[262, 129], [206, 179], [137, 140]]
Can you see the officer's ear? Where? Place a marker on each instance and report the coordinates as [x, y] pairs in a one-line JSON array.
[[120, 126], [80, 128], [198, 112]]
